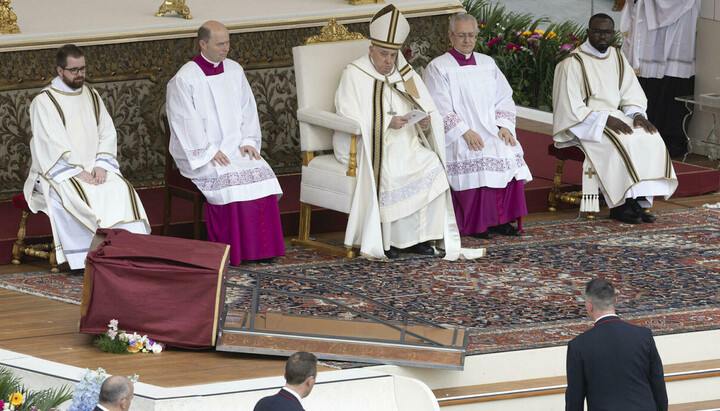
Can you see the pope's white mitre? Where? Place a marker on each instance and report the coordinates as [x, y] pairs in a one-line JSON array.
[[389, 28]]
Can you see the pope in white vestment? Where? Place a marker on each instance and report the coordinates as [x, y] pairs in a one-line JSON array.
[[599, 106], [485, 163], [75, 177], [215, 141], [402, 196]]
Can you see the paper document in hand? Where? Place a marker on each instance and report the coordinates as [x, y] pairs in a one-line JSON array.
[[415, 116]]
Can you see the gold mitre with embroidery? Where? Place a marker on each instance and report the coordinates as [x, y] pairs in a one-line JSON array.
[[389, 28]]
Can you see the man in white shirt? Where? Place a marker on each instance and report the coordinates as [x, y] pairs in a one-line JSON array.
[[300, 375], [599, 106]]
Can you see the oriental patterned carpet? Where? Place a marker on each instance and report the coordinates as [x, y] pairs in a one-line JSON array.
[[527, 291]]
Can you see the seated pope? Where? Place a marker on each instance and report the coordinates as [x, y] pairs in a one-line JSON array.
[[75, 176], [599, 106], [402, 199]]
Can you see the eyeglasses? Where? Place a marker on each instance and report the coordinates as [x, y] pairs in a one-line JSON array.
[[463, 36], [606, 33], [76, 70]]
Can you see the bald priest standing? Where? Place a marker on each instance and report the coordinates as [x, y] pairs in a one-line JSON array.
[[215, 140]]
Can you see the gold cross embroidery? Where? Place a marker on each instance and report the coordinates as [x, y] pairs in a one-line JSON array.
[[590, 172]]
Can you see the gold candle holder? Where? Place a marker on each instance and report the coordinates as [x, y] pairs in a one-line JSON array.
[[8, 19], [177, 6]]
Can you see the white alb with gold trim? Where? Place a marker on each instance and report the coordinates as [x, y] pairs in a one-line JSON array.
[[588, 87], [72, 132]]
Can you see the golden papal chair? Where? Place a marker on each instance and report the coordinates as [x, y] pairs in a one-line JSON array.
[[326, 182]]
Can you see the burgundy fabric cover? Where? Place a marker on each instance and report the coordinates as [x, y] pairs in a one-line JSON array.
[[171, 289], [567, 153], [18, 201]]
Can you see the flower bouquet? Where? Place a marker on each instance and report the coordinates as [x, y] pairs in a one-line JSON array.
[[120, 342]]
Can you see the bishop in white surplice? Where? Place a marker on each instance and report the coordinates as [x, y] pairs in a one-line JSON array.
[[402, 198], [75, 177], [599, 106], [216, 140], [485, 163]]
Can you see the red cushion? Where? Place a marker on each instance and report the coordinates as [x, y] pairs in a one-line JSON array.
[[568, 153], [18, 201]]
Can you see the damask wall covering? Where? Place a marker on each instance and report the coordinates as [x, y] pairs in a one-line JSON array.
[[131, 78]]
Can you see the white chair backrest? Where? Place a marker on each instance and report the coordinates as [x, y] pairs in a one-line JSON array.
[[318, 68]]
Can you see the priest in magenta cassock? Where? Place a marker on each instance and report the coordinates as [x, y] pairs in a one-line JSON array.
[[402, 198], [599, 106], [485, 164], [215, 141], [75, 177]]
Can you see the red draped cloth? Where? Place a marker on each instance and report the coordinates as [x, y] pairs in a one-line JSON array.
[[170, 289]]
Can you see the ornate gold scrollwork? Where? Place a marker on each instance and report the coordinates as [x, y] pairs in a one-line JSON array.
[[177, 6], [8, 19], [332, 33]]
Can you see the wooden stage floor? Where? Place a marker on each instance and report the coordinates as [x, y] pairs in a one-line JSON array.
[[48, 329]]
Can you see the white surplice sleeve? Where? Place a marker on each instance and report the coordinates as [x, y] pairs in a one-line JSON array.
[[187, 124], [250, 129], [439, 89]]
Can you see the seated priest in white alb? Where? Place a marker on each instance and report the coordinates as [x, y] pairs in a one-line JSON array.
[[75, 177], [599, 106], [402, 199], [485, 163], [215, 140]]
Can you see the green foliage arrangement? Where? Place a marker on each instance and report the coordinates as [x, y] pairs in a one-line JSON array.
[[43, 400], [525, 54]]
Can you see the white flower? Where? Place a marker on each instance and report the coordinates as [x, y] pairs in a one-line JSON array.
[[112, 334], [157, 348], [113, 324]]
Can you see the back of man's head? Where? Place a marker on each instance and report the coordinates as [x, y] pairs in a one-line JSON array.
[[68, 50], [299, 367], [601, 294], [114, 390]]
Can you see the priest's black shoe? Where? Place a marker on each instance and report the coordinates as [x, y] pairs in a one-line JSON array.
[[483, 236], [271, 260], [645, 216], [506, 229], [625, 214], [421, 248], [392, 253]]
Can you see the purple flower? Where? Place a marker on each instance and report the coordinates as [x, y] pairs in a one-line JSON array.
[[567, 47], [493, 41]]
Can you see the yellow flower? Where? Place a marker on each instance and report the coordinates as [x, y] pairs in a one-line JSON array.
[[16, 399], [539, 31], [526, 33], [550, 35]]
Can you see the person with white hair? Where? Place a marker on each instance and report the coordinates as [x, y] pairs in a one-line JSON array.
[[485, 163]]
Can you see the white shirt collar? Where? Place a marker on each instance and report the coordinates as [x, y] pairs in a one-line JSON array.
[[588, 48], [58, 84], [102, 408], [290, 390], [606, 315], [211, 62]]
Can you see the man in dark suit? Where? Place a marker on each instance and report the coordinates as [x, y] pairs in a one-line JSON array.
[[300, 374], [116, 394], [614, 364]]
